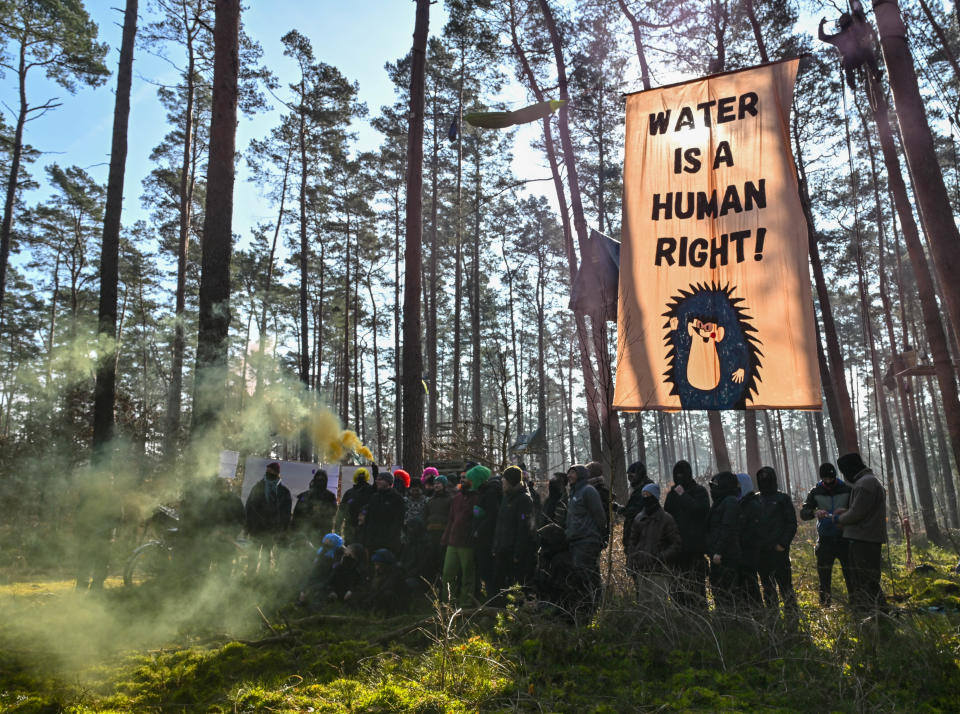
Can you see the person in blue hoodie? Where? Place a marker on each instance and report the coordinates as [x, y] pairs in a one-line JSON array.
[[821, 503]]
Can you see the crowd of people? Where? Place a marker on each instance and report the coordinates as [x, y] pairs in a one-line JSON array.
[[475, 535]]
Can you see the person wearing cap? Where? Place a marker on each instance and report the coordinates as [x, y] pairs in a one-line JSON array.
[[864, 526], [688, 503], [268, 509], [352, 503], [654, 545], [637, 477], [585, 532], [381, 521], [458, 560], [821, 503], [776, 529], [513, 537]]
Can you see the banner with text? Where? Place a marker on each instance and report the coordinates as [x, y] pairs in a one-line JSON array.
[[715, 309]]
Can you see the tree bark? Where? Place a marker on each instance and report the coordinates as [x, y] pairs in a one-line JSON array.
[[105, 389], [412, 351], [16, 154], [212, 342]]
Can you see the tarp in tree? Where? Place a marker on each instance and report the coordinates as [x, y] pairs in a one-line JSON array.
[[715, 308]]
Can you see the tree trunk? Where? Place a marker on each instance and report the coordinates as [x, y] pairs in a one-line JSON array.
[[752, 439], [931, 314], [458, 258], [432, 287], [929, 188], [412, 352], [376, 374], [105, 390], [212, 343], [719, 442], [16, 153], [185, 201], [637, 42], [476, 394], [262, 324]]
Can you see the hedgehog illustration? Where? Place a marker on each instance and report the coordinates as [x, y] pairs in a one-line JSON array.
[[713, 354]]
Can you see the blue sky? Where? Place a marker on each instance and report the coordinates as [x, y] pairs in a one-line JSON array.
[[357, 37]]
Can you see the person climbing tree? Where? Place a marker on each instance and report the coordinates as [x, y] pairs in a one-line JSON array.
[[856, 42]]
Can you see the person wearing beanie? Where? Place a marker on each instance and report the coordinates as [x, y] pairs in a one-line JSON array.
[[268, 510], [864, 526], [381, 521], [637, 477], [429, 472], [401, 480], [489, 494], [776, 529], [750, 513], [830, 494], [723, 539], [514, 553], [458, 559], [327, 556], [654, 545], [585, 531], [352, 503], [688, 503]]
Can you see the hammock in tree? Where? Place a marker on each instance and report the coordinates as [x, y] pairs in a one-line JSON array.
[[501, 120]]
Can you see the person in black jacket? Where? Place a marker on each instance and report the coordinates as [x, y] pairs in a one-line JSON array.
[[381, 521], [513, 537], [489, 495], [822, 502], [723, 539], [775, 531], [750, 512], [352, 503], [555, 506], [637, 476], [689, 505], [268, 510], [314, 511]]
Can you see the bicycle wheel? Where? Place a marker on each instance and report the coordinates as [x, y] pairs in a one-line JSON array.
[[148, 563]]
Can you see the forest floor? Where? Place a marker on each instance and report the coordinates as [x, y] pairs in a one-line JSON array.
[[239, 646]]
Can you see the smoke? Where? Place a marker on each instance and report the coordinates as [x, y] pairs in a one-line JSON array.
[[65, 514]]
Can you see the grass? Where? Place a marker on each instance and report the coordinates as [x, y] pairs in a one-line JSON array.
[[207, 647]]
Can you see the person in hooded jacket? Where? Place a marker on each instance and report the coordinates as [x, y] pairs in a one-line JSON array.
[[352, 503], [595, 470], [654, 544], [268, 510], [864, 525], [689, 504], [555, 505], [315, 509], [637, 477], [381, 522], [775, 532], [489, 495], [723, 539], [830, 494], [458, 561], [585, 534], [750, 511], [513, 539]]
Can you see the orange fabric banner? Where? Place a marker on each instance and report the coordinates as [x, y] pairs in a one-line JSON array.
[[715, 309]]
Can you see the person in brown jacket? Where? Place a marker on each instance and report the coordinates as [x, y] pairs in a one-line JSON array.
[[864, 526], [655, 544]]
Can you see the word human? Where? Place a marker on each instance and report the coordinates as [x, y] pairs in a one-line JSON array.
[[723, 110], [706, 205]]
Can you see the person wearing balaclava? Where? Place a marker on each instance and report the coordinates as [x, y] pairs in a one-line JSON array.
[[864, 525], [314, 511], [654, 544], [775, 532], [688, 503], [723, 539], [830, 494], [637, 477], [381, 521], [748, 585], [268, 509]]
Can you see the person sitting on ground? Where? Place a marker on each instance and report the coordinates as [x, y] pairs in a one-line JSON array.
[[830, 494], [315, 587], [348, 581], [654, 545], [388, 590]]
